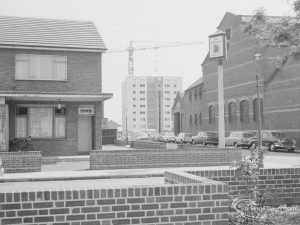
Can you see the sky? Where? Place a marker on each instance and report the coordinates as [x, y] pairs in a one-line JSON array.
[[150, 23]]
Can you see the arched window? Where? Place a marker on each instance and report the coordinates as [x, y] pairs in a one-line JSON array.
[[196, 119], [200, 118], [211, 114], [232, 112], [255, 109], [195, 94], [244, 108], [191, 120], [200, 92]]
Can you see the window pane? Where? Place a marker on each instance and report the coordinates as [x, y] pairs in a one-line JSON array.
[[60, 71], [232, 112], [61, 111], [21, 127], [21, 69], [244, 111], [60, 127], [40, 122], [41, 67], [21, 111]]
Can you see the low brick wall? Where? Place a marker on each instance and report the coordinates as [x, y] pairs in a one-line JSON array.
[[284, 183], [151, 158], [120, 143], [185, 146], [21, 162], [147, 145], [165, 204]]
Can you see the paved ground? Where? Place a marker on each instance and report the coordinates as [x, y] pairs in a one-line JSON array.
[[79, 171], [272, 159]]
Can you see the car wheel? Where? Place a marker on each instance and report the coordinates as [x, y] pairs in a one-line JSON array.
[[271, 147], [292, 150]]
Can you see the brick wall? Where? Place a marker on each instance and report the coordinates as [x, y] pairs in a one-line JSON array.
[[283, 182], [169, 204], [21, 162], [147, 145], [280, 92], [151, 158], [120, 142]]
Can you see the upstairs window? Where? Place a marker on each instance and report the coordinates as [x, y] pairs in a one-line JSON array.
[[211, 115], [41, 67], [228, 37], [255, 109], [232, 112], [244, 105], [196, 119], [200, 118], [228, 34], [200, 92]]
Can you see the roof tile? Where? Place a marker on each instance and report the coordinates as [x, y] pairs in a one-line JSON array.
[[49, 33]]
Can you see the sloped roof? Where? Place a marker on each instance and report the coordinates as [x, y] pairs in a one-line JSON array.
[[19, 31], [195, 84], [270, 19]]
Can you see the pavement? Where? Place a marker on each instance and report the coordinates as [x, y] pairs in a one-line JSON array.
[[70, 168]]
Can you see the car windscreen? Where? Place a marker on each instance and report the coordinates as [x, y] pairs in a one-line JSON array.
[[278, 135], [248, 135], [211, 134]]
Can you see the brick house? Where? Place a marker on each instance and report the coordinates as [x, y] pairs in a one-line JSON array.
[[186, 109], [51, 85], [279, 92]]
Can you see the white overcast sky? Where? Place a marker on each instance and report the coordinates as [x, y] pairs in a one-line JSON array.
[[159, 21]]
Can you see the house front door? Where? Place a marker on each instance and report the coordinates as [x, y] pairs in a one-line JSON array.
[[84, 134]]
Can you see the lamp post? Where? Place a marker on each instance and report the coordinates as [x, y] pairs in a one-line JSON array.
[[260, 152], [218, 51]]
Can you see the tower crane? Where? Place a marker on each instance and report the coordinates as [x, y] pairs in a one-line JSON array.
[[132, 49]]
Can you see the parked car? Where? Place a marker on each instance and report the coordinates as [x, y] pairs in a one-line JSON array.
[[169, 137], [234, 138], [200, 138], [157, 137], [212, 138], [139, 136], [274, 140], [183, 138], [247, 139]]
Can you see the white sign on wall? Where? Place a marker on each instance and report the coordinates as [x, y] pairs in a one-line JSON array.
[[87, 110]]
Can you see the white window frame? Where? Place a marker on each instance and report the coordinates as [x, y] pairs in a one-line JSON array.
[[27, 75]]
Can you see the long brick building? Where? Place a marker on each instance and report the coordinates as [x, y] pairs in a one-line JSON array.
[[279, 91], [51, 85]]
